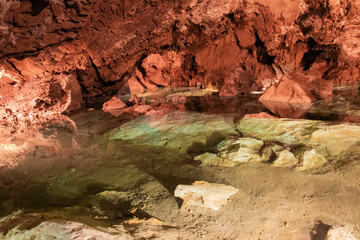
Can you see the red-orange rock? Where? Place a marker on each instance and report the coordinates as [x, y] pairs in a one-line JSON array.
[[113, 104], [287, 110], [298, 88], [287, 91], [234, 46], [161, 69]]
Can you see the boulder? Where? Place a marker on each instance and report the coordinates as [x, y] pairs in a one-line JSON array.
[[312, 160], [204, 194], [269, 153], [286, 159], [240, 150], [289, 91], [298, 88], [113, 104], [337, 139]]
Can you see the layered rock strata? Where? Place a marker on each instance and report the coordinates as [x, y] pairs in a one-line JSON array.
[[59, 56]]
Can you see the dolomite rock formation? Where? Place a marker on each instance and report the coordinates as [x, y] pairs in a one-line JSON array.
[[204, 194], [59, 56]]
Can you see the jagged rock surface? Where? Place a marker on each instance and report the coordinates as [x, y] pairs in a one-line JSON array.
[[58, 56]]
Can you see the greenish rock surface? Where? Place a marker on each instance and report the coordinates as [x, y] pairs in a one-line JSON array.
[[178, 130], [283, 130], [213, 159], [240, 150]]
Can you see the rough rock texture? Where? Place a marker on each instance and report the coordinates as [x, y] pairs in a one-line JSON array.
[[213, 159], [240, 150], [305, 90], [283, 130], [56, 56], [339, 233], [338, 139], [113, 104], [312, 160], [190, 133], [64, 230], [286, 159], [204, 194]]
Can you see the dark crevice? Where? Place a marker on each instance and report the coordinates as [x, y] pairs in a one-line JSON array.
[[262, 53], [237, 41], [303, 28], [312, 55], [14, 67], [231, 16], [189, 65], [37, 6], [70, 4], [99, 77], [67, 30], [319, 8], [80, 81], [139, 81], [22, 55], [309, 58], [138, 64], [53, 14], [316, 51]]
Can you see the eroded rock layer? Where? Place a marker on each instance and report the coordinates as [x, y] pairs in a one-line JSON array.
[[59, 56]]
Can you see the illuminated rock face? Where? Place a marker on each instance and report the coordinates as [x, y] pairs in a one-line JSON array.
[[204, 194], [58, 56]]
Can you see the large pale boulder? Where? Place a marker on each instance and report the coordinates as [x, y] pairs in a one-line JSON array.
[[204, 194], [337, 139]]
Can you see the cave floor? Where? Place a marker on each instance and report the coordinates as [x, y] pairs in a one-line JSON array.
[[120, 182]]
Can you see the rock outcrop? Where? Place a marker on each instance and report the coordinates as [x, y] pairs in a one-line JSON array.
[[58, 56]]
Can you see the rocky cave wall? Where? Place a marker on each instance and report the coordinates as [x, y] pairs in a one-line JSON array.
[[57, 56]]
